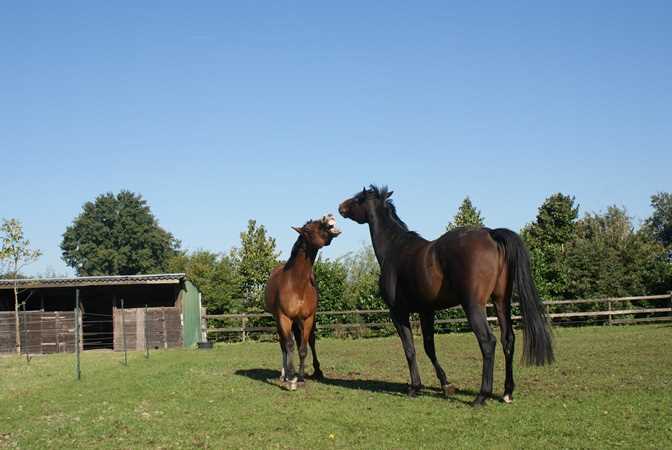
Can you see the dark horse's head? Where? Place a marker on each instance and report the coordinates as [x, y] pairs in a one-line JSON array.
[[360, 207], [319, 233]]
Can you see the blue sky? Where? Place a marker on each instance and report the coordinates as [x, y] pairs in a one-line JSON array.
[[217, 112]]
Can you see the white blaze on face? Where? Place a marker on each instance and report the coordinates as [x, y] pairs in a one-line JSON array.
[[330, 221]]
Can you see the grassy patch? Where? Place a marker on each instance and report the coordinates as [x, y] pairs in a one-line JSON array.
[[610, 388]]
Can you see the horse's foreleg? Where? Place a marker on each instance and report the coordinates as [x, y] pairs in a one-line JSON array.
[[427, 324], [486, 341], [287, 344], [403, 326], [284, 358]]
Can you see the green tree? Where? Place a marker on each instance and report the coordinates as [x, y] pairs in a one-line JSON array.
[[331, 276], [15, 254], [255, 259], [660, 222], [362, 283], [467, 216], [216, 277], [547, 239], [609, 258], [117, 235]]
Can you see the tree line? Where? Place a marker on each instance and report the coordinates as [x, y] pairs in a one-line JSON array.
[[598, 255]]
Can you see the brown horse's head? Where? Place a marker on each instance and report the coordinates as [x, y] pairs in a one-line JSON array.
[[319, 233], [359, 207]]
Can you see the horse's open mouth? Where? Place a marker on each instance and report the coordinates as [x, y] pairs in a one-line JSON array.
[[330, 221]]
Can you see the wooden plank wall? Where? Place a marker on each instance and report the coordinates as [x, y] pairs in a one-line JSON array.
[[162, 328], [7, 332], [41, 332]]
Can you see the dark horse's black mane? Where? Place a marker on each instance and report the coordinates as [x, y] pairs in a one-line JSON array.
[[381, 193]]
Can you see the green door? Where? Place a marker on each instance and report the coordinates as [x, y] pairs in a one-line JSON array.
[[191, 310]]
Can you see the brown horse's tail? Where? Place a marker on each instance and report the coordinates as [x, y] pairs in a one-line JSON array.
[[538, 343]]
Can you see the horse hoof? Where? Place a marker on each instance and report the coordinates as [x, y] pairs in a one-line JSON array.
[[292, 384], [413, 391], [507, 398], [448, 389], [318, 375], [301, 383], [478, 402]]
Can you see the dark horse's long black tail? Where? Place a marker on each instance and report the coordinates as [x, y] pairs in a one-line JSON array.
[[538, 343]]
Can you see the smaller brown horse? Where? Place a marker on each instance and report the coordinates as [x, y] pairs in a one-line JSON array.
[[292, 296]]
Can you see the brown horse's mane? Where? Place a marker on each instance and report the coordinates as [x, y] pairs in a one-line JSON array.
[[298, 245]]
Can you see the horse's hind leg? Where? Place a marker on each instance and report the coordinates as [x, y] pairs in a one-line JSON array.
[[317, 373], [487, 342], [304, 336], [427, 324], [503, 308], [296, 329]]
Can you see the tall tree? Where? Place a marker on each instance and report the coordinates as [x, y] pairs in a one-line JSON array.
[[117, 235], [467, 216], [362, 283], [330, 276], [547, 240], [255, 259], [216, 277], [610, 258], [15, 254], [660, 222]]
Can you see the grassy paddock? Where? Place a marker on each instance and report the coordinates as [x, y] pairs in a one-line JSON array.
[[610, 388]]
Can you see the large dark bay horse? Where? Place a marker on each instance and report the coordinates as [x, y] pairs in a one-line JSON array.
[[464, 267], [291, 296]]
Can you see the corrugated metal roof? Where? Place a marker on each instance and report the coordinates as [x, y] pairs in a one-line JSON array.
[[115, 280]]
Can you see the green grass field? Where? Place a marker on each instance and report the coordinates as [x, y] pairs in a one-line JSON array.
[[610, 388]]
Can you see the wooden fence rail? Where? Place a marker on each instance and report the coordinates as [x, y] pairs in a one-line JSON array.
[[661, 313]]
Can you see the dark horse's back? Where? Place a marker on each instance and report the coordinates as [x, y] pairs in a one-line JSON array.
[[461, 263], [470, 266]]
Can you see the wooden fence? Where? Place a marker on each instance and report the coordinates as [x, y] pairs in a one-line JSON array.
[[618, 311]]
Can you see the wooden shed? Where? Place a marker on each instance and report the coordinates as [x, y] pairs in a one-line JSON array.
[[158, 310]]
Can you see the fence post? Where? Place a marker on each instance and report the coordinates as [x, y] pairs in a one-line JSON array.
[[204, 325], [146, 338], [78, 371], [244, 327], [165, 330], [24, 339], [609, 304], [123, 331]]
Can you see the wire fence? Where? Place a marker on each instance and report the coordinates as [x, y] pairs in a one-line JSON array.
[[376, 322], [44, 332], [145, 329]]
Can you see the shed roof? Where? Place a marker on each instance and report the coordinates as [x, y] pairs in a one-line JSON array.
[[107, 280]]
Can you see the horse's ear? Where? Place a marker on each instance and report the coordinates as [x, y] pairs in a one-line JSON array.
[[364, 190], [389, 194], [297, 229]]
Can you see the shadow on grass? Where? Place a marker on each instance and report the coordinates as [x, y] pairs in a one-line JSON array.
[[376, 386]]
